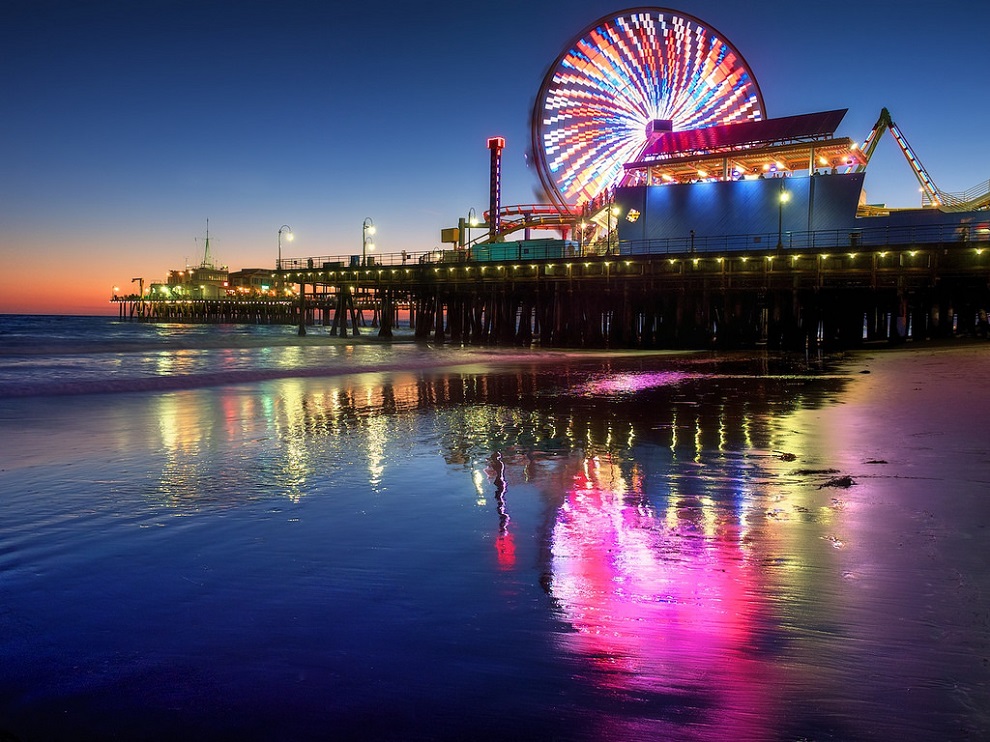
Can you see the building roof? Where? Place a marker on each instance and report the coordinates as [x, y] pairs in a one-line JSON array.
[[783, 145], [805, 127]]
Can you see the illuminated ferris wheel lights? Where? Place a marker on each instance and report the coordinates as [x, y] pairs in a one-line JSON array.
[[624, 82]]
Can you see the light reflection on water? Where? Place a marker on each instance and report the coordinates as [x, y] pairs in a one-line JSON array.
[[597, 549], [663, 604], [655, 544]]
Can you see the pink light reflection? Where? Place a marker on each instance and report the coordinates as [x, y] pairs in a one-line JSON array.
[[661, 610], [621, 383]]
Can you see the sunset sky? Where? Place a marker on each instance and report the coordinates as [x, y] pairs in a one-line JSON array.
[[128, 123]]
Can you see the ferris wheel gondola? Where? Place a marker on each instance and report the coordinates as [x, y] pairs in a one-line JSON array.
[[624, 80]]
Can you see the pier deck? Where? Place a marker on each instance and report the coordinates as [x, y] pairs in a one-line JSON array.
[[815, 290]]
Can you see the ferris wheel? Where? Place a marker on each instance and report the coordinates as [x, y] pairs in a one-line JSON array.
[[623, 78]]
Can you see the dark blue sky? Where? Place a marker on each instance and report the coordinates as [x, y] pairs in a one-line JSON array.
[[127, 124]]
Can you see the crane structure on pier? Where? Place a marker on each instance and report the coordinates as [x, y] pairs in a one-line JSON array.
[[975, 199]]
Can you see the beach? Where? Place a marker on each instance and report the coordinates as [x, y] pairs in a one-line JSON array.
[[241, 537]]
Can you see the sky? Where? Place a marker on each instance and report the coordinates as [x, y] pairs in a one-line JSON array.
[[126, 124]]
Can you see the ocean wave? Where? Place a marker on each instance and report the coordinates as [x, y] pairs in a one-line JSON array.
[[338, 367]]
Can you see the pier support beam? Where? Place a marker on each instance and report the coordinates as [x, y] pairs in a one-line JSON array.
[[302, 309]]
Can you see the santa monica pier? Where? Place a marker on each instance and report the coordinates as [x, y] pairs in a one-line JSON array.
[[676, 214]]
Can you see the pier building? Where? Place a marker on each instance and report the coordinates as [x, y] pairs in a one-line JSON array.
[[203, 282]]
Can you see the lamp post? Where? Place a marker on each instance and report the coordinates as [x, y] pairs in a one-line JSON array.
[[782, 198], [472, 221], [367, 228], [612, 211], [287, 230], [140, 283]]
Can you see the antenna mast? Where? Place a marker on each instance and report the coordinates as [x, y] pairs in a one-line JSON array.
[[206, 252], [207, 262]]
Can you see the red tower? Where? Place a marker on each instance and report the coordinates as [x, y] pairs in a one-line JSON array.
[[496, 145]]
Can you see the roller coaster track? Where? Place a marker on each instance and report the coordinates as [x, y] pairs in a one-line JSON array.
[[531, 216]]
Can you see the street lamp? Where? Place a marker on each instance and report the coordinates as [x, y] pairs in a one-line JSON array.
[[782, 199], [612, 211], [287, 230], [472, 221], [367, 228]]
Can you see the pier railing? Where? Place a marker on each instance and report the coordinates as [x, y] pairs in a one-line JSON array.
[[975, 234], [833, 239]]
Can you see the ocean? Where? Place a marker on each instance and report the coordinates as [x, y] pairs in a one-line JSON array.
[[234, 533]]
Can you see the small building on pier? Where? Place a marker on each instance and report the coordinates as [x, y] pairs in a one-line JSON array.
[[202, 282], [254, 282]]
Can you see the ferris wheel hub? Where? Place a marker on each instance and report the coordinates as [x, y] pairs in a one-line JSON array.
[[656, 128]]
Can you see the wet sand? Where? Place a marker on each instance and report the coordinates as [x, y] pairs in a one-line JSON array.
[[912, 435]]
